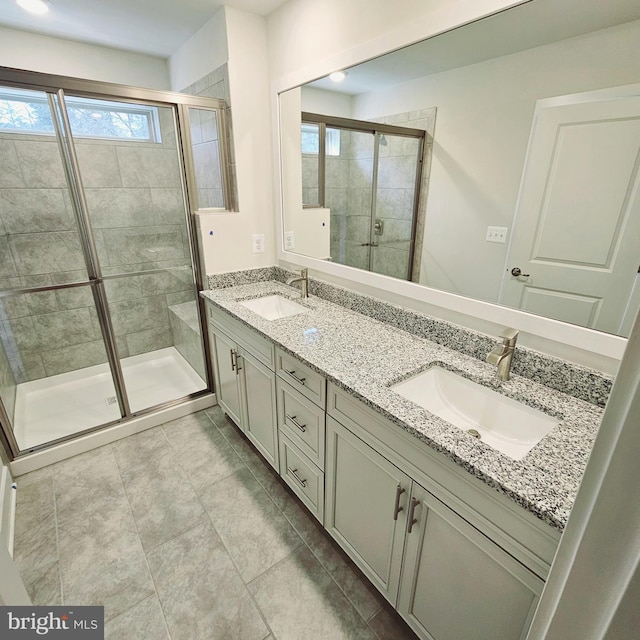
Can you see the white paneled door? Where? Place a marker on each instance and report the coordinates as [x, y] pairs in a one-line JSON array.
[[576, 238]]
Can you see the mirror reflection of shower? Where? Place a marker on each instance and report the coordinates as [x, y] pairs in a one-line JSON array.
[[363, 180]]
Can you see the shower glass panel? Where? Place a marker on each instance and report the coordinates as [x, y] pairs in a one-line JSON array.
[[135, 204], [49, 339], [348, 195], [54, 363], [310, 145], [205, 146], [394, 205]]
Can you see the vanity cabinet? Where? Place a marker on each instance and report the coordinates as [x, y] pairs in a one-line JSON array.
[[366, 507], [456, 558], [456, 583], [447, 579], [301, 403], [245, 384]]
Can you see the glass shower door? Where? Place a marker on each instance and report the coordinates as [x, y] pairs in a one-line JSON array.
[[394, 206], [136, 208], [349, 174], [54, 374]]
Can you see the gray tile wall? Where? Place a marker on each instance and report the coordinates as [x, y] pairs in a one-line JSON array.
[[134, 196], [213, 85], [185, 329]]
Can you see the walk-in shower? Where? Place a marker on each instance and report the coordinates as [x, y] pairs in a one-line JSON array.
[[368, 175], [99, 314]]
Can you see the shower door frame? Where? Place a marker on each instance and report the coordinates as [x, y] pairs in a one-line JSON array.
[[377, 130], [62, 86]]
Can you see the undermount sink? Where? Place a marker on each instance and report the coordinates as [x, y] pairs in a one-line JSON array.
[[503, 423], [274, 307]]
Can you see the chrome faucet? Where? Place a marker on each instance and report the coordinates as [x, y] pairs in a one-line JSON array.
[[304, 283], [502, 355]]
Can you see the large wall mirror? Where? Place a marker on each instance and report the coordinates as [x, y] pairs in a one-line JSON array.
[[513, 174]]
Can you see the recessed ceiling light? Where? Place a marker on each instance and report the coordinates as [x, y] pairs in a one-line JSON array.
[[38, 7], [338, 76]]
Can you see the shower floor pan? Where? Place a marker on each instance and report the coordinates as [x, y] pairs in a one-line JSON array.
[[64, 404]]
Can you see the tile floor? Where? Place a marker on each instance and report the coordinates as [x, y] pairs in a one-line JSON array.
[[183, 531]]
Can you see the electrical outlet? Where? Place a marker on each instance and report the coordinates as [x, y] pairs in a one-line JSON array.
[[497, 234], [257, 242], [289, 240]]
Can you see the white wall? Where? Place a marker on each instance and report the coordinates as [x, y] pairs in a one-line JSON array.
[[327, 102], [238, 38], [205, 51], [483, 121], [33, 52], [308, 38]]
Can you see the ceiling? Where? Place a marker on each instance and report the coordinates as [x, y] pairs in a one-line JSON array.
[[530, 25], [154, 27]]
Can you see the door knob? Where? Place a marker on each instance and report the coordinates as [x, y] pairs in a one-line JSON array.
[[517, 271]]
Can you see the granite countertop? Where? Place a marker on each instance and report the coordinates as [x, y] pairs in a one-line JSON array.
[[365, 356]]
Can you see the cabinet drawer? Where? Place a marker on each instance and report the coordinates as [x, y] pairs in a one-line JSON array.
[[301, 377], [306, 480], [258, 346], [302, 422]]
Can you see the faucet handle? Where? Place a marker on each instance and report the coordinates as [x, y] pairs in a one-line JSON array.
[[509, 336]]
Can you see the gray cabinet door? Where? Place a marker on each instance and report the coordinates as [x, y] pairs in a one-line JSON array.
[[456, 583], [261, 427], [365, 507], [227, 380]]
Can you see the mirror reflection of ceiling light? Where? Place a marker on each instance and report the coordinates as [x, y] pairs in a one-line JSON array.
[[39, 7], [338, 76]]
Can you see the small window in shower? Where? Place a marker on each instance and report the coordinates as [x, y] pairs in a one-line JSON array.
[[24, 112]]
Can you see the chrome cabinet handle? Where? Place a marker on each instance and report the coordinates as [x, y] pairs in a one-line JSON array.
[[302, 427], [517, 272], [412, 509], [397, 508], [233, 362], [296, 477], [292, 373]]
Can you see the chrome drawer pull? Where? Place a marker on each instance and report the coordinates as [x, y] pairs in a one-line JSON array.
[[397, 509], [302, 427], [296, 477], [292, 373], [411, 520]]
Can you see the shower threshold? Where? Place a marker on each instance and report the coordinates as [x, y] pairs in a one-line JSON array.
[[64, 404]]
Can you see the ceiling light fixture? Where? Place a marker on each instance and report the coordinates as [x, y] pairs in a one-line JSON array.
[[338, 76], [39, 7]]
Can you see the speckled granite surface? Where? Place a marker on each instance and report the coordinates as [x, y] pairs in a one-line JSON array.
[[580, 382], [365, 356]]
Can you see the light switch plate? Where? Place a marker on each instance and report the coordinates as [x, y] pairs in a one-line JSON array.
[[497, 234], [257, 242]]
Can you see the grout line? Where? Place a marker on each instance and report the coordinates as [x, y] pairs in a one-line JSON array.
[[135, 524], [57, 524]]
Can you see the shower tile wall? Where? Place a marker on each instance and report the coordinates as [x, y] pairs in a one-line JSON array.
[[134, 198], [206, 158]]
